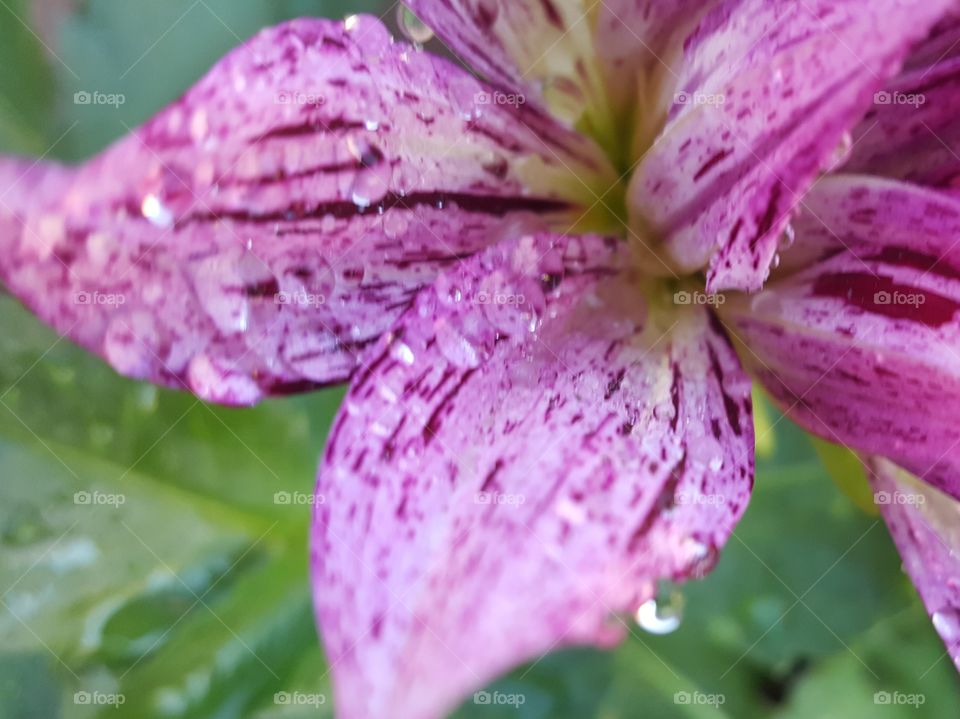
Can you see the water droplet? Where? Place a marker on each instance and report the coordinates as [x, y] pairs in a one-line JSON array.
[[947, 623], [788, 237], [403, 353], [351, 22], [841, 153], [663, 613], [372, 180], [701, 557], [412, 26], [395, 224], [155, 212], [455, 346]]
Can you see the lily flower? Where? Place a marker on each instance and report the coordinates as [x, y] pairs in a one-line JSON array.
[[535, 279]]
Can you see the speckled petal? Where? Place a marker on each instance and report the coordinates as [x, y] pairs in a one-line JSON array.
[[257, 234], [863, 344], [520, 460], [763, 94], [541, 51], [925, 525], [911, 132]]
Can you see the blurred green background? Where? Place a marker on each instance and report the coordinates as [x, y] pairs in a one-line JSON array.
[[190, 599]]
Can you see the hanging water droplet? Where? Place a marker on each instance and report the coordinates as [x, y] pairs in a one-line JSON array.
[[775, 262], [663, 613], [701, 557], [412, 26]]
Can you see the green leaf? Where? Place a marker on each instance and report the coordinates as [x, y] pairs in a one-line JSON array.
[[846, 469], [27, 95], [77, 545], [52, 392], [898, 669]]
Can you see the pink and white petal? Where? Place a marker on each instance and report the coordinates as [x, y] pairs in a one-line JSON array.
[[521, 460], [640, 43], [863, 344], [911, 131], [274, 221], [539, 50], [925, 526], [764, 94]]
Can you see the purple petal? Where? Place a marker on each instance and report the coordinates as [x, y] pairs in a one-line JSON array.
[[540, 51], [863, 345], [764, 93], [491, 493], [911, 132], [925, 525], [258, 233]]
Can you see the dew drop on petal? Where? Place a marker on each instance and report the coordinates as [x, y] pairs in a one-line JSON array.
[[788, 237], [455, 346], [403, 353], [841, 154], [413, 27], [155, 212], [947, 623], [663, 613]]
